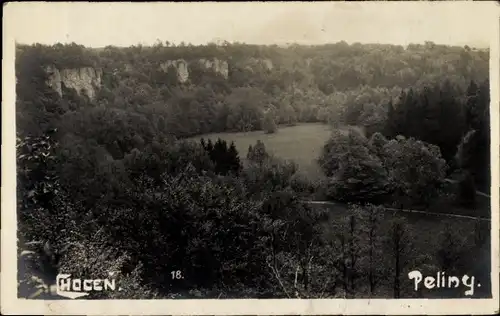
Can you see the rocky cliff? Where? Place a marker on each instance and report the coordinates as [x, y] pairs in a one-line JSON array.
[[85, 81], [180, 65], [257, 64], [218, 66]]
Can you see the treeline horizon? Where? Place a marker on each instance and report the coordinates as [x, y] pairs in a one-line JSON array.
[[222, 42]]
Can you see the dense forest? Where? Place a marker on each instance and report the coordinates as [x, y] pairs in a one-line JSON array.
[[111, 183]]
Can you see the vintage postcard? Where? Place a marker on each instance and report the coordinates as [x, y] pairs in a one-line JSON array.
[[253, 158]]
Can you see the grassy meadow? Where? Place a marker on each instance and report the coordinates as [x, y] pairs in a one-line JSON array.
[[301, 143]]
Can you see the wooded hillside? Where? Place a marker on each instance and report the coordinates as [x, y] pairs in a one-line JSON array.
[[111, 171]]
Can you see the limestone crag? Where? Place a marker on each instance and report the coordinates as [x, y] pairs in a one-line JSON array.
[[54, 79], [268, 63], [218, 66], [84, 81], [180, 65], [257, 64]]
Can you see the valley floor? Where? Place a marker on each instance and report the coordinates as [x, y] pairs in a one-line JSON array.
[[301, 143]]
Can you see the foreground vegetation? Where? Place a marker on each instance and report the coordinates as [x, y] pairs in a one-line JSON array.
[[115, 176]]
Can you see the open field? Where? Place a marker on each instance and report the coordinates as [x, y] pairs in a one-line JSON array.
[[301, 143]]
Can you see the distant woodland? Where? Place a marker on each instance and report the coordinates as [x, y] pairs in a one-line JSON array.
[[115, 174]]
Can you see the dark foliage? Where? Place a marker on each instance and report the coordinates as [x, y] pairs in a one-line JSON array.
[[226, 159]]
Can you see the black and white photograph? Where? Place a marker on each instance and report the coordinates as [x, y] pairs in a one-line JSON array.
[[282, 153]]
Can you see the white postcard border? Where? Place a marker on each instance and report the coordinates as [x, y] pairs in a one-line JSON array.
[[10, 304]]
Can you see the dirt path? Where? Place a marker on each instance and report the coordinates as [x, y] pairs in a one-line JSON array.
[[407, 211], [477, 192]]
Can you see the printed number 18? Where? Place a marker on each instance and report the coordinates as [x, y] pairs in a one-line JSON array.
[[177, 275]]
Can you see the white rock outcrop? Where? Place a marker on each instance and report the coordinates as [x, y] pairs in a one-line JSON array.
[[180, 65], [218, 66], [258, 64], [84, 81], [268, 64]]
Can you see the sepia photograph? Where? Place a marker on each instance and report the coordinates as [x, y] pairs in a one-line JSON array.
[[250, 158]]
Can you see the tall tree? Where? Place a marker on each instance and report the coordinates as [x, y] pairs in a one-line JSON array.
[[354, 172], [258, 153], [399, 242], [268, 124]]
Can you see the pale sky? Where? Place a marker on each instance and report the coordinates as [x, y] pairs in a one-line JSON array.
[[125, 24]]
